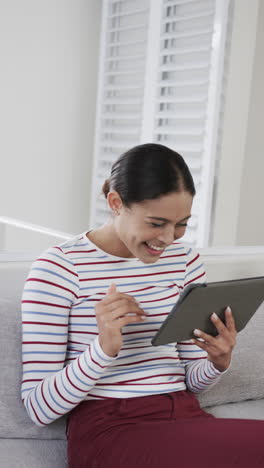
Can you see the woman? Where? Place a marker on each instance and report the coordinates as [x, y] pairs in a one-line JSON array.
[[90, 309]]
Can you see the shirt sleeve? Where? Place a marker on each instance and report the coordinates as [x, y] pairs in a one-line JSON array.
[[200, 372], [49, 388]]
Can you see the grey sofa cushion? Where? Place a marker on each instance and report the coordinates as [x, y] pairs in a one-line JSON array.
[[14, 419], [250, 409], [245, 379], [25, 453]]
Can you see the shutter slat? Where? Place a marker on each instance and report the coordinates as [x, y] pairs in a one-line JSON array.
[[184, 51], [130, 13], [176, 3], [123, 2], [176, 19], [193, 66], [178, 100], [180, 115], [133, 27], [119, 131], [187, 149], [126, 43], [179, 84], [125, 58], [130, 72], [195, 33], [122, 115], [189, 132], [123, 87], [120, 102], [120, 146]]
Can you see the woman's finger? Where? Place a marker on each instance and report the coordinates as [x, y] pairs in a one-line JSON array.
[[123, 321], [201, 344], [122, 311], [118, 319], [207, 338], [230, 321], [125, 305], [112, 289], [112, 298], [219, 325]]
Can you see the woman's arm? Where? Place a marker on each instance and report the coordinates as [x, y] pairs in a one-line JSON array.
[[49, 389], [200, 371]]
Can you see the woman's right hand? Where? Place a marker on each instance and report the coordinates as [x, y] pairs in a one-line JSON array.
[[112, 314]]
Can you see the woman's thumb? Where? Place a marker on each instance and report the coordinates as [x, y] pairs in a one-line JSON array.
[[111, 289]]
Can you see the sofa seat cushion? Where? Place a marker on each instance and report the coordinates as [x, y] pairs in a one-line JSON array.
[[33, 453], [245, 379], [14, 420], [250, 409]]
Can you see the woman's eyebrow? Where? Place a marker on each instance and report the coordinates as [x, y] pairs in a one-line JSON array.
[[157, 218]]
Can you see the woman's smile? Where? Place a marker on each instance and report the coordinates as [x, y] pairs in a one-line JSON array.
[[152, 249]]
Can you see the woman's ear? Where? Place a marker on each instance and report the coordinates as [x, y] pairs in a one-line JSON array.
[[114, 202]]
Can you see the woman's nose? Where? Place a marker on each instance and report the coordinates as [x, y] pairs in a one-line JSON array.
[[167, 236]]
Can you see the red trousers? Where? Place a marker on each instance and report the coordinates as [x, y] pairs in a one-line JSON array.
[[160, 431]]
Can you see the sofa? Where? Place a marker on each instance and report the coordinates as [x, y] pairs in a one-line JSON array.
[[239, 394]]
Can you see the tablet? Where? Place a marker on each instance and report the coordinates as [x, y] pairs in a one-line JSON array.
[[198, 301]]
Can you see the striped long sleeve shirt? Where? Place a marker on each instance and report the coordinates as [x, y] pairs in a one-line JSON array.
[[63, 363]]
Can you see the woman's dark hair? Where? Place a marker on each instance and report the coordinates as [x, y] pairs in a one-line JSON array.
[[148, 171]]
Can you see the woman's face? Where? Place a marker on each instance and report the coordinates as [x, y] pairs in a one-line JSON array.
[[147, 228]]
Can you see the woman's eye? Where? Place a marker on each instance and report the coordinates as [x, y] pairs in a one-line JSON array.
[[156, 225], [182, 225]]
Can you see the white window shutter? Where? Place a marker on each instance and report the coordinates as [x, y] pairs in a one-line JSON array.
[[120, 95], [189, 95], [160, 81]]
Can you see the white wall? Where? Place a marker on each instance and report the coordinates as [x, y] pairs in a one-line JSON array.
[[15, 238], [48, 84], [250, 227], [230, 209]]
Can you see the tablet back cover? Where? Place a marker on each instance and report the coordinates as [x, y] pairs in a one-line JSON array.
[[243, 296]]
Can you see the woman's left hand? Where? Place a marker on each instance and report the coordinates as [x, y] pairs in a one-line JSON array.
[[219, 348]]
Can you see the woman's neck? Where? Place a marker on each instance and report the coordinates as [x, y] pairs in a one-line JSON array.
[[106, 239]]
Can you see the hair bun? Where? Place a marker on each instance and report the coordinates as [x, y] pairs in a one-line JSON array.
[[106, 187]]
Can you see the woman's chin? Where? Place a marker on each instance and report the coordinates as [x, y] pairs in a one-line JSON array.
[[145, 254]]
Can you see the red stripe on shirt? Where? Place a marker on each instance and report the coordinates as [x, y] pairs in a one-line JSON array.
[[80, 251], [171, 382], [39, 420], [84, 373], [31, 380], [62, 397], [161, 299], [100, 263], [141, 331], [72, 384], [194, 279], [148, 360], [42, 362], [51, 409], [46, 304], [52, 284], [193, 260], [150, 377], [173, 256], [45, 343], [57, 264], [134, 276], [46, 323]]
